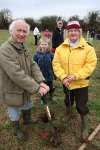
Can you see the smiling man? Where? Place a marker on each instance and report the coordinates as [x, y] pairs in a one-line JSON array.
[[20, 77], [73, 63]]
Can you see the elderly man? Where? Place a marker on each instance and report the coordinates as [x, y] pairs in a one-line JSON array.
[[19, 76], [74, 62]]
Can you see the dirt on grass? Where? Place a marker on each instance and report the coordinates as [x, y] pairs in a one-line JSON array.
[[39, 134]]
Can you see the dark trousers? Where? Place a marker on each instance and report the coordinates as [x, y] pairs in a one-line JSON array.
[[50, 84], [45, 98], [36, 39], [80, 96]]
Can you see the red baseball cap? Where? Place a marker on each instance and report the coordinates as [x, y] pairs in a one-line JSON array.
[[73, 24]]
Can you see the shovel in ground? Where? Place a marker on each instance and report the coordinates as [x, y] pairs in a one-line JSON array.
[[56, 137]]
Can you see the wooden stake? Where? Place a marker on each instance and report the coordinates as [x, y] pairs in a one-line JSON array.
[[48, 112], [90, 138]]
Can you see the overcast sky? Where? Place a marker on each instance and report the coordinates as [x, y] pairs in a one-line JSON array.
[[39, 8]]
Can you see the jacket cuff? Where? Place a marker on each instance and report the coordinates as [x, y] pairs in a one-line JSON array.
[[35, 88], [63, 77], [77, 76], [43, 81]]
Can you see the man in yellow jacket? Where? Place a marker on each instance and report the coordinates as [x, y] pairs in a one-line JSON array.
[[73, 63]]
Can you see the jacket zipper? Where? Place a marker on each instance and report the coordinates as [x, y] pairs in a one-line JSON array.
[[26, 72], [68, 64], [68, 59]]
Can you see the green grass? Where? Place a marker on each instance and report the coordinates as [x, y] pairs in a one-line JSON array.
[[4, 35], [96, 44], [70, 136]]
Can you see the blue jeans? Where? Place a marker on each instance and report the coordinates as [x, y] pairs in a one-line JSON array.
[[15, 112]]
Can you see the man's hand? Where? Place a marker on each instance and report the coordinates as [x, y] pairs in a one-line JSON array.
[[65, 82], [43, 89], [44, 85]]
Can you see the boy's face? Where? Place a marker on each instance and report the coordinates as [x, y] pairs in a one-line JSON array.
[[59, 24], [43, 45]]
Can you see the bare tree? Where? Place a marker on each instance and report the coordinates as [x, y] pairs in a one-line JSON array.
[[72, 18], [5, 18], [93, 19]]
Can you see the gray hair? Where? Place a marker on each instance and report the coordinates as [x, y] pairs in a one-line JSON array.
[[80, 30], [13, 24]]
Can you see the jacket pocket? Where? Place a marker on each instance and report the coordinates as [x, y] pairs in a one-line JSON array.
[[13, 98]]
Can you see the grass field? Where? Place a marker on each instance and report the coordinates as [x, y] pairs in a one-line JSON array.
[[69, 128]]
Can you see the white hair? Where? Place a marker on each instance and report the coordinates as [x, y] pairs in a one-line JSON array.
[[66, 32], [12, 26]]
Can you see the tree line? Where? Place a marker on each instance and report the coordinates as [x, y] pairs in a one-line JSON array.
[[89, 22]]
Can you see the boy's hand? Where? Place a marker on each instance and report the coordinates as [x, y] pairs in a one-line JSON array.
[[71, 77], [65, 82], [68, 79]]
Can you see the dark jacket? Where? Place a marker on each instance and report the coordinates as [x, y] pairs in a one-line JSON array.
[[19, 75], [57, 37], [44, 60]]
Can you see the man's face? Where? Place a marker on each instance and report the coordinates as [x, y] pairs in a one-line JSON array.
[[19, 33], [73, 34], [59, 24]]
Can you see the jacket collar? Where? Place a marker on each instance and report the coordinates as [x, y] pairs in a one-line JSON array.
[[19, 47], [59, 29], [81, 44]]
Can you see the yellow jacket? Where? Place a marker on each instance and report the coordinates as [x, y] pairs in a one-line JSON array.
[[79, 61]]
